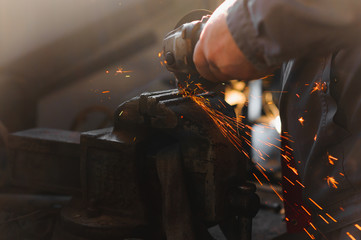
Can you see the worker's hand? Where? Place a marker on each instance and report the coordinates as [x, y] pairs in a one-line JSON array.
[[217, 56]]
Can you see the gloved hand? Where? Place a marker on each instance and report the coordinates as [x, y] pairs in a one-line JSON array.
[[217, 56]]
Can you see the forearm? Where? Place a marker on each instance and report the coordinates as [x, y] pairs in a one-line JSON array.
[[270, 32]]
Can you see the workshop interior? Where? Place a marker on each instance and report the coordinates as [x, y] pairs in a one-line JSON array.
[[107, 131]]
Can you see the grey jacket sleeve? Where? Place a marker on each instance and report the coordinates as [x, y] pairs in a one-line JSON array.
[[270, 32]]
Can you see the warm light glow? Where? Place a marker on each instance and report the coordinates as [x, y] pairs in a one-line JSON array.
[[276, 123], [234, 97]]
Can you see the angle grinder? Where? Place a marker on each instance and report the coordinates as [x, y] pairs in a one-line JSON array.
[[178, 49]]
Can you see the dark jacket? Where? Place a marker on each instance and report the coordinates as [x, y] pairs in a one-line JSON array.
[[319, 44]]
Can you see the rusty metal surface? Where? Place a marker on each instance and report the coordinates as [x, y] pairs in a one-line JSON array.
[[45, 160]]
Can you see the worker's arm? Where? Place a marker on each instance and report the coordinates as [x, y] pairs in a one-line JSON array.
[[245, 39]]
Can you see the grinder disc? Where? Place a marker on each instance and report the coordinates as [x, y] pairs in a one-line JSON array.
[[193, 16]]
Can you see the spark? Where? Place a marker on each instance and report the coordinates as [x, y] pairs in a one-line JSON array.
[[279, 196], [257, 179], [300, 184], [323, 218], [229, 126], [319, 86], [331, 181], [315, 204], [260, 170], [341, 208], [331, 159], [135, 138], [342, 174], [289, 148], [268, 76], [298, 95], [328, 215], [286, 138], [306, 210], [289, 180], [106, 92], [301, 120], [120, 114], [294, 170], [107, 71], [315, 138], [350, 236], [288, 159], [120, 71], [313, 226], [310, 235], [245, 154], [358, 227]]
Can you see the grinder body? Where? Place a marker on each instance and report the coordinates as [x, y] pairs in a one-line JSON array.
[[178, 49]]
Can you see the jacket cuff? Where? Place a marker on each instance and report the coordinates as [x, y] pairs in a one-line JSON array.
[[245, 35]]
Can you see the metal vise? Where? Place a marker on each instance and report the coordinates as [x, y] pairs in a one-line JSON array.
[[164, 171]]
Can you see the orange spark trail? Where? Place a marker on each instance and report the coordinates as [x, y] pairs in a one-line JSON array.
[[358, 227], [315, 204], [328, 215], [350, 236], [300, 184], [306, 210], [331, 181], [331, 159], [120, 71], [294, 170], [257, 179], [313, 226], [310, 235], [323, 218], [265, 176], [289, 148], [288, 180], [106, 92], [279, 196]]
